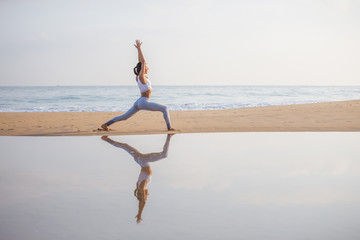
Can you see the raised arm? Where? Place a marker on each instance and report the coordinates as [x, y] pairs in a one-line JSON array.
[[141, 59], [138, 44]]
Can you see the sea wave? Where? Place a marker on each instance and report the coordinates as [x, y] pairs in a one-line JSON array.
[[179, 98], [171, 107]]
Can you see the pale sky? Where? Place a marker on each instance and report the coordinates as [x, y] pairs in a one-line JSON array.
[[187, 42]]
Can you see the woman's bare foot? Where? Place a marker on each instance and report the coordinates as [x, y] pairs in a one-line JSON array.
[[105, 127], [105, 138]]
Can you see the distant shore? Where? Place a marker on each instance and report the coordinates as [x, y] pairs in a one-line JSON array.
[[318, 117]]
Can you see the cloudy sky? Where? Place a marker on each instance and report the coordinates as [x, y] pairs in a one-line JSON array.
[[227, 42]]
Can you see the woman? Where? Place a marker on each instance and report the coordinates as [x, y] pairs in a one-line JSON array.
[[144, 179], [145, 88]]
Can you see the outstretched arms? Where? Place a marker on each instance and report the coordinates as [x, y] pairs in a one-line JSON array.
[[141, 59], [138, 44]]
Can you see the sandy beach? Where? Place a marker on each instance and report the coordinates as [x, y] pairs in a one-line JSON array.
[[330, 116]]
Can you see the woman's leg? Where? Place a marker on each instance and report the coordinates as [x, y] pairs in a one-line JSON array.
[[144, 104], [134, 109]]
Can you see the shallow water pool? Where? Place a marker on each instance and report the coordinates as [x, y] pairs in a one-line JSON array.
[[203, 186]]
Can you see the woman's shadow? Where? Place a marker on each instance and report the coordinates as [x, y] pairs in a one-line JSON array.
[[141, 192]]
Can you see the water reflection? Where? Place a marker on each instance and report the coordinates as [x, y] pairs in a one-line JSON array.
[[141, 192]]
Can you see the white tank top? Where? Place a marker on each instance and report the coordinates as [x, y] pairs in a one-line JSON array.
[[143, 87], [144, 177]]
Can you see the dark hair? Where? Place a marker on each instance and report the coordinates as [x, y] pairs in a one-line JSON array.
[[137, 69]]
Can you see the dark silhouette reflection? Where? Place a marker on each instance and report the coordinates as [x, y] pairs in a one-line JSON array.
[[141, 192]]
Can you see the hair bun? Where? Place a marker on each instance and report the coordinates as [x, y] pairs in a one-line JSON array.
[[137, 69]]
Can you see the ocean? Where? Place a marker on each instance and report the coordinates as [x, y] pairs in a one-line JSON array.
[[121, 98]]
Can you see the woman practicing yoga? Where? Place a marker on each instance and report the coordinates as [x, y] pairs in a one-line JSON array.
[[144, 179], [143, 102]]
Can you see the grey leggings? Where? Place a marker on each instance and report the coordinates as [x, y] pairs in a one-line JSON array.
[[143, 104]]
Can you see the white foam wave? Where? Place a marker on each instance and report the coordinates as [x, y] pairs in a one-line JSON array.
[[80, 99]]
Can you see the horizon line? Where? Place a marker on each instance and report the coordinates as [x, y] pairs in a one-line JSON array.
[[195, 85]]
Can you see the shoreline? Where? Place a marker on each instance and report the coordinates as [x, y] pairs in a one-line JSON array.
[[310, 117]]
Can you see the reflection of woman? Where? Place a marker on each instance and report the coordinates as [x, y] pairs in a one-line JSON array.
[[141, 193], [143, 103]]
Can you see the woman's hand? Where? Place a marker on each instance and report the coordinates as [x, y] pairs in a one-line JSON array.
[[141, 59], [138, 218], [138, 44]]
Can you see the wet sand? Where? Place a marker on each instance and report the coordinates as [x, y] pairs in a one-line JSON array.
[[273, 186], [317, 117]]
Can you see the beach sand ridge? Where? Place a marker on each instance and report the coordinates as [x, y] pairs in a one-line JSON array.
[[318, 117]]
